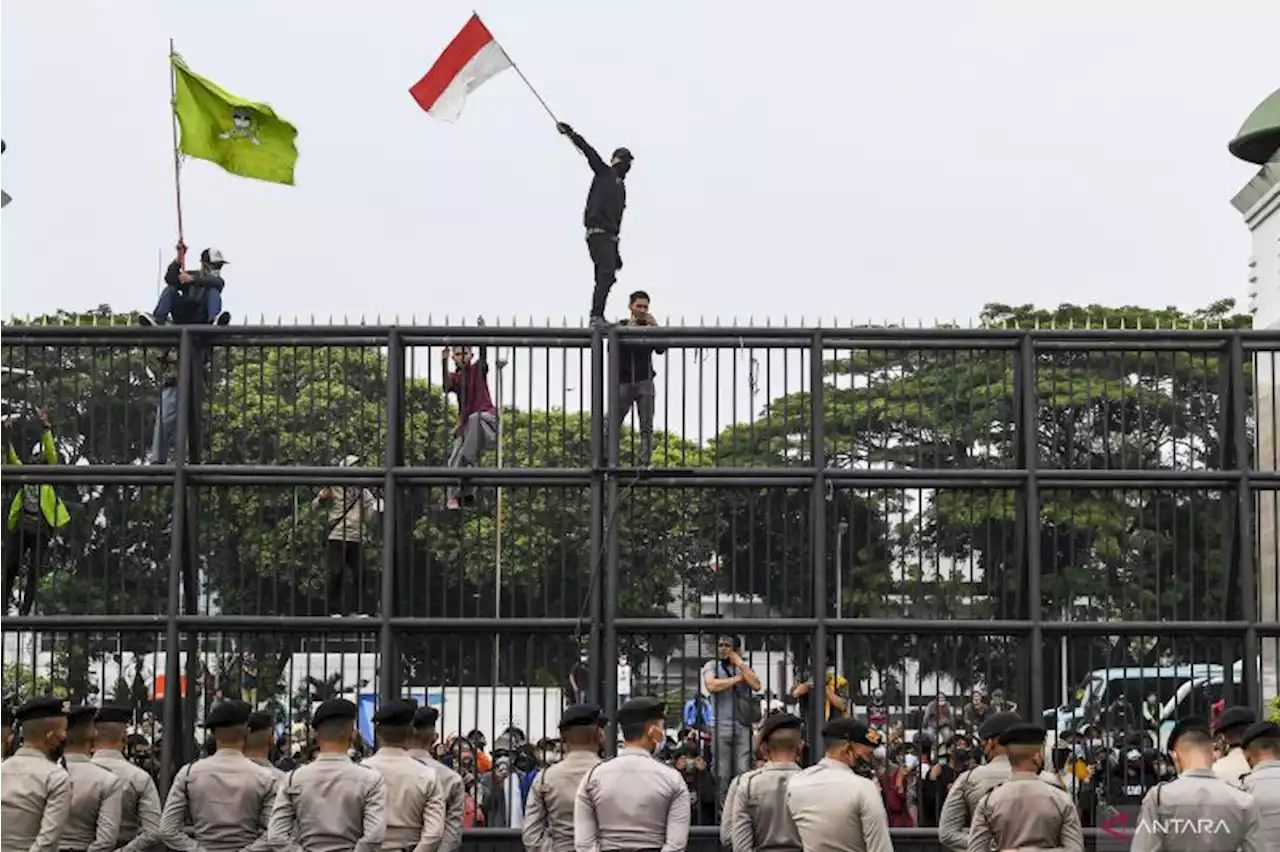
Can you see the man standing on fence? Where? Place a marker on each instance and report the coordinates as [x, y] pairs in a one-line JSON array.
[[731, 684], [35, 514], [606, 202], [635, 377], [423, 737], [139, 801], [351, 508], [477, 417], [96, 794], [35, 792], [548, 820]]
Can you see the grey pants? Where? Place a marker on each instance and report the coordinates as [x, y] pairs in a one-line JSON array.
[[478, 434], [166, 425], [640, 395], [730, 757]]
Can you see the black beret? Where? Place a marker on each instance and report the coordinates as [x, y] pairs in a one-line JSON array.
[[397, 713], [996, 724], [261, 721], [779, 722], [1259, 731], [1025, 733], [114, 713], [80, 716], [44, 707], [1184, 726], [851, 730], [426, 717], [227, 714], [335, 708], [1235, 717], [642, 709], [581, 715]]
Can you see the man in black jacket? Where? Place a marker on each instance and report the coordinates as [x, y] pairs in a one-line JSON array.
[[606, 202], [191, 298], [635, 376]]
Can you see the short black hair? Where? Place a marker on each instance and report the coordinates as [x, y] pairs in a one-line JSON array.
[[1197, 738], [581, 734], [632, 731], [333, 729], [393, 735], [638, 294]]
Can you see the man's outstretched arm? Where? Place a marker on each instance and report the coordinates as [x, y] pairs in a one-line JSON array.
[[597, 165]]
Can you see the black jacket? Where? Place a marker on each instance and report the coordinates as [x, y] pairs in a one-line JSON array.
[[189, 307], [607, 197], [636, 360]]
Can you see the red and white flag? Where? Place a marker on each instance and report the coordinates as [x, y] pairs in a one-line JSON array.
[[470, 59]]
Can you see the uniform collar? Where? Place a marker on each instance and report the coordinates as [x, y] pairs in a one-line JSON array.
[[633, 750], [76, 757], [1020, 775], [262, 761], [1002, 760], [232, 753], [1267, 764], [420, 754], [581, 757], [790, 764], [393, 751], [27, 751], [108, 754], [332, 758], [834, 764], [1197, 773]]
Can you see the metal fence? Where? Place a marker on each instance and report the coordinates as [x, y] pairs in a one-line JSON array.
[[925, 512]]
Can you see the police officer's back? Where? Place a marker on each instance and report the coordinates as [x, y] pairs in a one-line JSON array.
[[1025, 812], [632, 801], [421, 738], [139, 800], [1233, 766], [1261, 744], [225, 797], [94, 822], [548, 813], [257, 744], [332, 804], [834, 808], [35, 793], [1196, 811], [970, 786], [415, 799], [759, 812]]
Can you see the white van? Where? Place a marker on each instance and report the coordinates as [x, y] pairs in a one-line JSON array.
[[1101, 687]]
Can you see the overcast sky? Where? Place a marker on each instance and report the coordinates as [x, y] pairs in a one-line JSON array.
[[846, 159]]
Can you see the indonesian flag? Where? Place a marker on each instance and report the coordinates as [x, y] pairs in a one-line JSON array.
[[470, 59]]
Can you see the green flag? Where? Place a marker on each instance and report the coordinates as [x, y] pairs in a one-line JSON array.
[[245, 138]]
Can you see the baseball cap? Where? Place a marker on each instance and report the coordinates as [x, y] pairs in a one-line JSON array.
[[213, 257]]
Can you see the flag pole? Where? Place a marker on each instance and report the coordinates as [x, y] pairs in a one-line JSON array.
[[476, 15], [177, 152]]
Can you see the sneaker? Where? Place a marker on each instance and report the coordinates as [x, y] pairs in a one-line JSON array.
[[147, 320], [223, 318], [600, 322]]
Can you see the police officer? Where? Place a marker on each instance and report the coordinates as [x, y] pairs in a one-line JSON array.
[[257, 744], [415, 799], [1223, 817], [1261, 744], [226, 797], [834, 808], [970, 786], [759, 812], [548, 814], [633, 802], [332, 804], [1233, 766], [421, 738], [139, 801], [35, 793], [94, 823], [1025, 812], [731, 797], [6, 730]]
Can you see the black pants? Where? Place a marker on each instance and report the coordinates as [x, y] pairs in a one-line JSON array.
[[343, 559], [603, 249], [34, 547]]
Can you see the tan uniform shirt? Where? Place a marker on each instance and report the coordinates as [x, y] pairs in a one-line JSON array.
[[139, 802], [1263, 783], [227, 800], [1197, 811], [1232, 766], [415, 801], [631, 802], [726, 811], [761, 821], [35, 801], [837, 810], [331, 805], [269, 766], [1025, 813], [94, 822], [455, 799], [548, 814], [967, 790]]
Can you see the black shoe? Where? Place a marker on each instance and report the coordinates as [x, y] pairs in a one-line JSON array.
[[148, 320], [223, 318]]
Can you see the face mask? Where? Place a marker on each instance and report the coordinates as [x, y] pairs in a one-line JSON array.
[[911, 761], [1095, 743], [962, 754], [58, 751]]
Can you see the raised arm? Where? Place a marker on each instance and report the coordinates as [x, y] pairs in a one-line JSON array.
[[598, 165]]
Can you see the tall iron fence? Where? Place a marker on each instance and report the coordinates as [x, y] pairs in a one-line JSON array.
[[1070, 518]]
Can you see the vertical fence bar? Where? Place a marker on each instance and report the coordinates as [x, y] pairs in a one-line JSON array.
[[818, 539], [171, 747], [597, 521], [1245, 531], [389, 671], [1229, 459], [612, 567], [1028, 416]]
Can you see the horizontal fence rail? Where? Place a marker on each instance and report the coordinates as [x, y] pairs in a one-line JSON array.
[[1077, 521]]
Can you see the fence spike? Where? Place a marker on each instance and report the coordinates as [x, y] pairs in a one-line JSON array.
[[1137, 323]]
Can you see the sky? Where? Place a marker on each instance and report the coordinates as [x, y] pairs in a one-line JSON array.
[[848, 160]]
